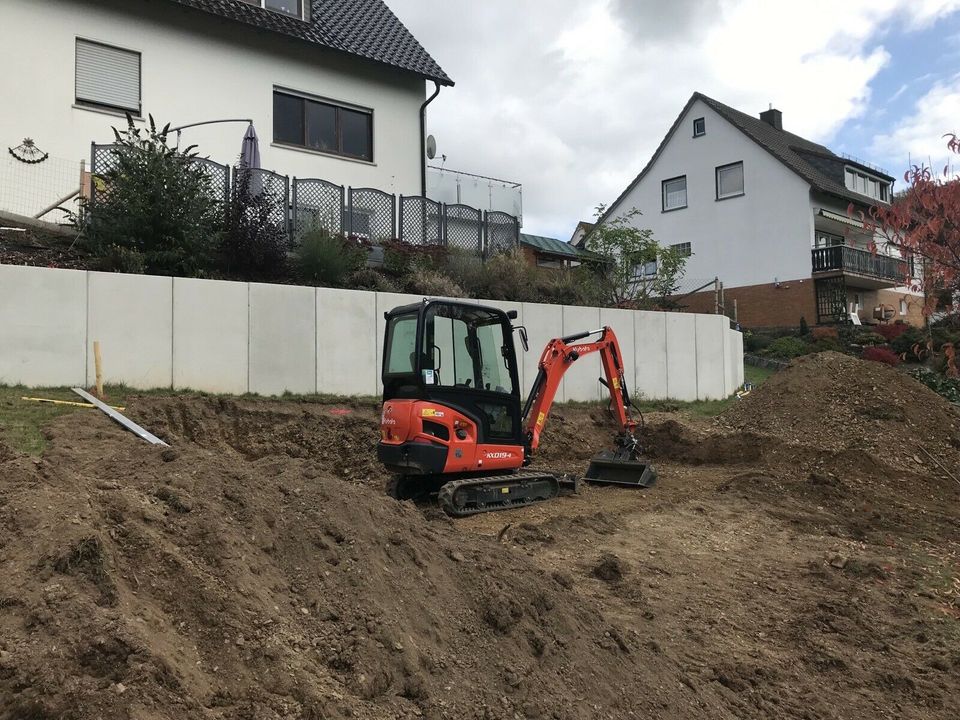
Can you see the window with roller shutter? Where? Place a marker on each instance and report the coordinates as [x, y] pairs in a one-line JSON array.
[[107, 77]]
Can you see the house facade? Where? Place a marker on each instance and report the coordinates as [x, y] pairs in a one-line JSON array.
[[766, 212], [335, 90]]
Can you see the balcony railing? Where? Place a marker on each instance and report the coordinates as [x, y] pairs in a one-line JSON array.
[[860, 262]]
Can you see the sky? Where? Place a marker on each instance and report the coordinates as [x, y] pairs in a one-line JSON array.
[[571, 97]]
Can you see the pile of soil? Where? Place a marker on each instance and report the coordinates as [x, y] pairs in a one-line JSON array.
[[251, 572], [835, 402]]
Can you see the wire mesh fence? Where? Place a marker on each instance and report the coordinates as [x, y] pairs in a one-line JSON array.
[[30, 189], [421, 221]]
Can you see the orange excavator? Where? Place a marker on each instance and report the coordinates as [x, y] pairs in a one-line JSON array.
[[452, 421]]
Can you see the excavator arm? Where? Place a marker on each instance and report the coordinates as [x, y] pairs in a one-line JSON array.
[[558, 356]]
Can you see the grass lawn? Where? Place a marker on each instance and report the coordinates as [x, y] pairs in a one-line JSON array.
[[709, 408]]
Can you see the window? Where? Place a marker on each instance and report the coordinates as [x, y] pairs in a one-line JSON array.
[[903, 307], [322, 126], [824, 239], [402, 341], [860, 182], [107, 77], [699, 127], [729, 180], [684, 249], [287, 7], [675, 193], [645, 270]]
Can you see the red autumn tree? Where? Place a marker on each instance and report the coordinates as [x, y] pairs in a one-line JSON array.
[[924, 223]]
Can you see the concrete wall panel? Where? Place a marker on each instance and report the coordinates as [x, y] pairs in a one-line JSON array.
[[650, 355], [738, 357], [210, 335], [283, 344], [580, 382], [711, 358], [729, 369], [681, 356], [543, 323], [43, 326], [132, 317], [346, 342]]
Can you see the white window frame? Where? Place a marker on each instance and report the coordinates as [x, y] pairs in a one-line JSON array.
[[702, 130], [860, 182], [98, 104], [743, 180], [664, 194], [302, 13]]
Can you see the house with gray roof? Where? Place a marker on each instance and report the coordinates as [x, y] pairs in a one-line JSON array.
[[336, 89], [774, 216]]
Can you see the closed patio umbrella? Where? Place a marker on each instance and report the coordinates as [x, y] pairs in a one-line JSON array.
[[250, 158]]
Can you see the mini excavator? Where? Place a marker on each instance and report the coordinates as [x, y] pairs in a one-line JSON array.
[[451, 419]]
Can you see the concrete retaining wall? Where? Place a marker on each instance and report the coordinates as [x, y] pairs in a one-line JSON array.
[[229, 337]]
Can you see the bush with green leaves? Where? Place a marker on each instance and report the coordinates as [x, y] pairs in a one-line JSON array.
[[905, 342], [254, 243], [327, 259], [156, 212], [569, 286], [940, 384], [468, 271], [433, 283], [366, 278], [867, 338], [785, 348]]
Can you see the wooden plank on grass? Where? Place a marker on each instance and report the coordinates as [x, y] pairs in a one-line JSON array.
[[122, 419]]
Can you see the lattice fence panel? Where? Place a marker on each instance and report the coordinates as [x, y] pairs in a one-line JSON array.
[[371, 214], [271, 186], [317, 204], [218, 177], [103, 160], [421, 221], [502, 232], [463, 228]]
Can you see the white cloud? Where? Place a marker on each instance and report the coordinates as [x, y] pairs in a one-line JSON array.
[[918, 138], [571, 97]]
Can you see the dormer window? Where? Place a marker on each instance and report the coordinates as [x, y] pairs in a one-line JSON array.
[[864, 184], [287, 7]]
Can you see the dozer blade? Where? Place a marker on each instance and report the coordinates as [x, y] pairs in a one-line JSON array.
[[611, 467]]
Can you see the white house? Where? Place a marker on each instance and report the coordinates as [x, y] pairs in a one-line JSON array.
[[766, 212], [336, 90]]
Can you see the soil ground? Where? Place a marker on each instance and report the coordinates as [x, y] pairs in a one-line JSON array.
[[797, 559]]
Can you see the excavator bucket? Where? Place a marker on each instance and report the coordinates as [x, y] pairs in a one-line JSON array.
[[620, 467]]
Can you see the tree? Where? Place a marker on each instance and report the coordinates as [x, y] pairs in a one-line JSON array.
[[155, 212], [638, 272], [923, 222]]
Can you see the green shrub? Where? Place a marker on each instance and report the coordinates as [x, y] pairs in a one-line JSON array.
[[569, 286], [868, 338], [254, 244], [327, 259], [432, 283], [369, 279], [755, 342], [121, 260], [804, 328], [826, 343], [156, 206], [904, 342], [940, 384], [785, 348], [943, 335], [402, 258], [511, 277], [468, 271]]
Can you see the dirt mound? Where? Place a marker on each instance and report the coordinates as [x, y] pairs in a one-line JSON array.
[[6, 452], [676, 441], [833, 402], [240, 576]]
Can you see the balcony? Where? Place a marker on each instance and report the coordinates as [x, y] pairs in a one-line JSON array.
[[870, 269]]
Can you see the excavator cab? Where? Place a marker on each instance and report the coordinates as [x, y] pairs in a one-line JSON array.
[[452, 421]]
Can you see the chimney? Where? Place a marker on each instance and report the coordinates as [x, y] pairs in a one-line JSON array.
[[773, 118]]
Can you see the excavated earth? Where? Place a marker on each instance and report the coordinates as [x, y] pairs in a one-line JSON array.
[[798, 559]]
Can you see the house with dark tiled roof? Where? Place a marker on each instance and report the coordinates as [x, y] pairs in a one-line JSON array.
[[548, 252], [774, 216], [336, 89]]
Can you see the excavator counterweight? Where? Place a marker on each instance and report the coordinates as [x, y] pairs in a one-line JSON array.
[[452, 422]]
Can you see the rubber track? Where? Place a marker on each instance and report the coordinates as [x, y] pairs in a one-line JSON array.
[[447, 492]]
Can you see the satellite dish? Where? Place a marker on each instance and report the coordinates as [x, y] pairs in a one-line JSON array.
[[431, 147]]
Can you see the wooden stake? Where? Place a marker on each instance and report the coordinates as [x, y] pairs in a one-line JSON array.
[[98, 363]]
